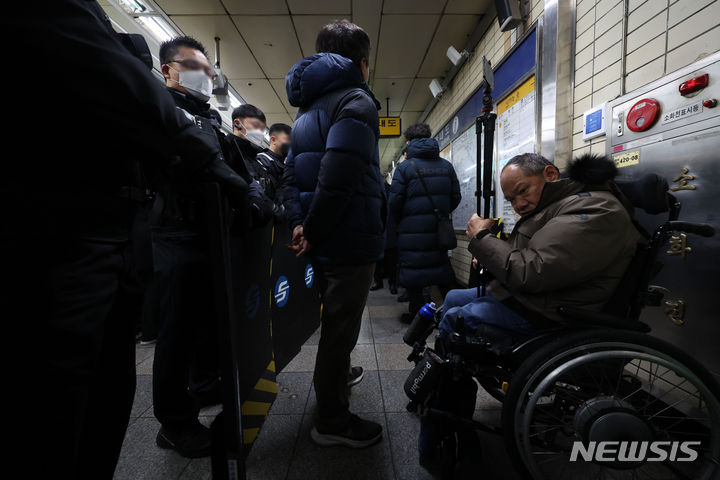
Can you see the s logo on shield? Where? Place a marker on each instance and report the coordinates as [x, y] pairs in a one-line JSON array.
[[282, 291], [309, 275]]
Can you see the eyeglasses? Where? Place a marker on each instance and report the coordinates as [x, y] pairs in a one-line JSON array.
[[191, 64]]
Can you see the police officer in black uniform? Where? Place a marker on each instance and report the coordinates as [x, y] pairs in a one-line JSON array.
[[271, 161], [242, 149], [90, 117], [185, 352]]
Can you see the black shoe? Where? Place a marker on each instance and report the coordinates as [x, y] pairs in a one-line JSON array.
[[393, 289], [376, 286], [404, 297], [358, 434], [355, 376], [190, 442]]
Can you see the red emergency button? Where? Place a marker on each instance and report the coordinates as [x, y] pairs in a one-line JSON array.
[[643, 114], [694, 84], [710, 103]]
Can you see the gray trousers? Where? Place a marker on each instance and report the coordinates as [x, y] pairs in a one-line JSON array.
[[344, 290]]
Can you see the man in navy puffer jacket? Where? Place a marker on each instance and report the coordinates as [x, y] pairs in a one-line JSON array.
[[336, 207], [421, 263]]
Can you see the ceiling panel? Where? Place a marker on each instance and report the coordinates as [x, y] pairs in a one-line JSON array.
[[395, 88], [325, 7], [454, 30], [366, 13], [272, 41], [235, 59], [400, 53], [278, 118], [308, 27], [266, 7], [468, 6], [419, 95], [413, 6], [278, 85], [258, 92], [191, 7]]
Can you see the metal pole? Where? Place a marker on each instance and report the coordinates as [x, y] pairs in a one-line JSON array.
[[487, 122]]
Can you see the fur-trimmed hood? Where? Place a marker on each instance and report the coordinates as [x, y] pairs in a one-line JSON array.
[[586, 173]]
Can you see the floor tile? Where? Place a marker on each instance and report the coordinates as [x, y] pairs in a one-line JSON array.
[[293, 390], [403, 431], [333, 463], [364, 397], [270, 456], [387, 310], [392, 382], [303, 361], [145, 367], [364, 356], [143, 352], [197, 469], [393, 356], [143, 396], [141, 459], [388, 329]]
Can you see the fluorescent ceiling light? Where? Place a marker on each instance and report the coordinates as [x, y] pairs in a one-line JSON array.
[[134, 6], [234, 102], [157, 27]]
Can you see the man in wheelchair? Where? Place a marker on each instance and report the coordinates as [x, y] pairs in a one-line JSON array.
[[571, 245], [557, 339]]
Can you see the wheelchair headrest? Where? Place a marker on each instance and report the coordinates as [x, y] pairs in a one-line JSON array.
[[648, 192]]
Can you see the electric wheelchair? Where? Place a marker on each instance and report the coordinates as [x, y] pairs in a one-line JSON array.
[[597, 378]]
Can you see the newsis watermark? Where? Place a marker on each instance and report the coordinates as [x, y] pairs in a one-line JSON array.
[[635, 451]]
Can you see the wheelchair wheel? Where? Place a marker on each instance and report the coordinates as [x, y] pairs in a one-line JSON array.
[[613, 405]]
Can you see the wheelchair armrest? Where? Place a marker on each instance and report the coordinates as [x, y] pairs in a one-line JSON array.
[[598, 318]]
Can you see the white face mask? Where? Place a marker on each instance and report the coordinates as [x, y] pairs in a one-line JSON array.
[[255, 137], [197, 83]]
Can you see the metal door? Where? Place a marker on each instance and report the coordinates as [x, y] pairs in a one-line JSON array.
[[682, 144]]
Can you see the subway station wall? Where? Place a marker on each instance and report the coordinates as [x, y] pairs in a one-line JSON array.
[[662, 36]]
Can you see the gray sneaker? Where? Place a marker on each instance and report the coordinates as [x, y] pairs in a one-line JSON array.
[[358, 434], [355, 376]]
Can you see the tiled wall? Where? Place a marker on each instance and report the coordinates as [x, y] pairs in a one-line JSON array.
[[663, 36], [493, 45]]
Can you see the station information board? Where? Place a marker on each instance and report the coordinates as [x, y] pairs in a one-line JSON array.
[[515, 135], [464, 160], [390, 126]]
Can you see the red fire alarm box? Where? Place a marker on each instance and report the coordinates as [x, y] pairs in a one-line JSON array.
[[643, 114]]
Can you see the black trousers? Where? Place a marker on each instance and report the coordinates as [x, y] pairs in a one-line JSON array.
[[344, 290], [387, 267], [185, 352], [92, 298]]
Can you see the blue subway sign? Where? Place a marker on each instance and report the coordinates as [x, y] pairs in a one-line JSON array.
[[309, 275], [282, 291]]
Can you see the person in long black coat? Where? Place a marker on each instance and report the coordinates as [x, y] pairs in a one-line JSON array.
[[421, 262]]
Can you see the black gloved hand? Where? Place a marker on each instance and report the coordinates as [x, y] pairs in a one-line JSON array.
[[232, 184]]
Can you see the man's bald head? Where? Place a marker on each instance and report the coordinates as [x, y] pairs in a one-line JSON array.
[[523, 178]]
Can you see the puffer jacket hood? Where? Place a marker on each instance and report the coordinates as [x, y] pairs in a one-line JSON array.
[[423, 148], [332, 182], [316, 75]]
